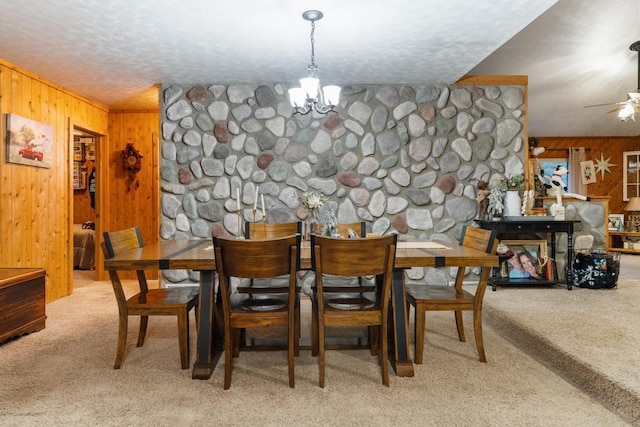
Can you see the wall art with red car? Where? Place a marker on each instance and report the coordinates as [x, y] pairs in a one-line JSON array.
[[29, 142]]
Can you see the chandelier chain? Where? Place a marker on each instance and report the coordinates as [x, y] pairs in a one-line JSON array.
[[313, 68]]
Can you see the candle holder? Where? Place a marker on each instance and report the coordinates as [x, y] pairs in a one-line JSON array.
[[264, 218], [239, 223], [254, 214]]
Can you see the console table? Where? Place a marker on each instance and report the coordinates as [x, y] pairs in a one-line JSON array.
[[528, 224]]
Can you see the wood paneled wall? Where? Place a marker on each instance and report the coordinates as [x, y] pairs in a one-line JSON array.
[[610, 148], [134, 201], [36, 203]]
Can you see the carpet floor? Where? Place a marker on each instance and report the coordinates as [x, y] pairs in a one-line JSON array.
[[63, 375]]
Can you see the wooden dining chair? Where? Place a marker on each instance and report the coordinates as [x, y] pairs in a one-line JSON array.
[[341, 285], [147, 302], [454, 298], [333, 256], [257, 258]]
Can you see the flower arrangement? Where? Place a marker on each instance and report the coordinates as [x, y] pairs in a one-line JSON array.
[[312, 200], [515, 183]]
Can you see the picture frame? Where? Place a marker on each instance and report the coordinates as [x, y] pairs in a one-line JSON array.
[[527, 260], [615, 222], [29, 142]]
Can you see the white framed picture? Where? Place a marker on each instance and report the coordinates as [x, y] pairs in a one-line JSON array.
[[616, 222]]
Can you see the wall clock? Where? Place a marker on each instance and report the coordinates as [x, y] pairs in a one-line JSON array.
[[131, 159]]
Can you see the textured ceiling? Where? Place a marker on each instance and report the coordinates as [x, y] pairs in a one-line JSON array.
[[115, 51]]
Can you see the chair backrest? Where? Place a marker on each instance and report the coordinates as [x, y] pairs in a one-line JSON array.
[[484, 240], [354, 258], [261, 230], [114, 243], [256, 258], [479, 238], [118, 241]]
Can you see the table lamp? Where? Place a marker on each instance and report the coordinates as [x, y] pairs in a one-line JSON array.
[[634, 217]]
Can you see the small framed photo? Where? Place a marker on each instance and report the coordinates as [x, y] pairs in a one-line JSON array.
[[616, 222], [527, 260]]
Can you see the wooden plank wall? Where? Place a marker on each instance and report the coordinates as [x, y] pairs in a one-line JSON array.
[[610, 148], [36, 203], [133, 202]]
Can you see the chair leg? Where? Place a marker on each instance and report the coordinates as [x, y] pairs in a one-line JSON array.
[[297, 332], [292, 345], [374, 339], [420, 320], [183, 338], [314, 329], [383, 358], [238, 335], [477, 328], [228, 357], [143, 330], [321, 355], [460, 326], [122, 340], [197, 315]]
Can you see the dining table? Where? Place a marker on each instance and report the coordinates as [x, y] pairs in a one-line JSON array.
[[198, 255]]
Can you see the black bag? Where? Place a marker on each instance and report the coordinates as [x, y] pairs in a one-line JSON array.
[[596, 270]]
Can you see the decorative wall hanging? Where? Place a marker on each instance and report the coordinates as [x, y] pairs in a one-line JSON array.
[[131, 161], [603, 165], [588, 172], [29, 142]]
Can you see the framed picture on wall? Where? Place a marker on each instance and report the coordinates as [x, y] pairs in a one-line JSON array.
[[29, 142]]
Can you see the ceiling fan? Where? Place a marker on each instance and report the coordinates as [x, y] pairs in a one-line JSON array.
[[627, 109]]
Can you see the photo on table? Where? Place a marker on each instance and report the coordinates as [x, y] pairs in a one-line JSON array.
[[527, 259]]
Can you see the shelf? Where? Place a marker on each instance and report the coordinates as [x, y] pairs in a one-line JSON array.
[[625, 233], [616, 241], [625, 251]]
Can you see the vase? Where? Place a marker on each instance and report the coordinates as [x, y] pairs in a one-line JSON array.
[[512, 204], [310, 224]]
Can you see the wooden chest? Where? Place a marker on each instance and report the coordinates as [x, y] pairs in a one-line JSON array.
[[22, 301]]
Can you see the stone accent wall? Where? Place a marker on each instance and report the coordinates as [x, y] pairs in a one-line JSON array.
[[405, 159]]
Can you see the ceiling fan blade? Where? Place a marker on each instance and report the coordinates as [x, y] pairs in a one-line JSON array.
[[616, 109], [602, 105]]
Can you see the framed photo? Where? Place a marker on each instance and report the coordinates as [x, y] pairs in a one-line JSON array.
[[616, 222], [528, 260], [29, 142]]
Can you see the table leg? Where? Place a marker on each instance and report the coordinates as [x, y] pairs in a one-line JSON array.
[[400, 358], [205, 360], [569, 268]]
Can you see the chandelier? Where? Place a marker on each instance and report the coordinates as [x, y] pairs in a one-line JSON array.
[[308, 97]]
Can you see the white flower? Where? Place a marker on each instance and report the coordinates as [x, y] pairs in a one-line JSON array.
[[312, 200]]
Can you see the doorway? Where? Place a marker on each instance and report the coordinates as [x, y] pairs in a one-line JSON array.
[[84, 216]]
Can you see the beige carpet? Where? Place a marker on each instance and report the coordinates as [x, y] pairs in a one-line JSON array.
[[590, 337], [63, 375]]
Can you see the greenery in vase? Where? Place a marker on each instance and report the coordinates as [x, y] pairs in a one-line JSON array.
[[515, 183]]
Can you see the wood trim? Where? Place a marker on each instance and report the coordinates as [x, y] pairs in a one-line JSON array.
[[493, 80]]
